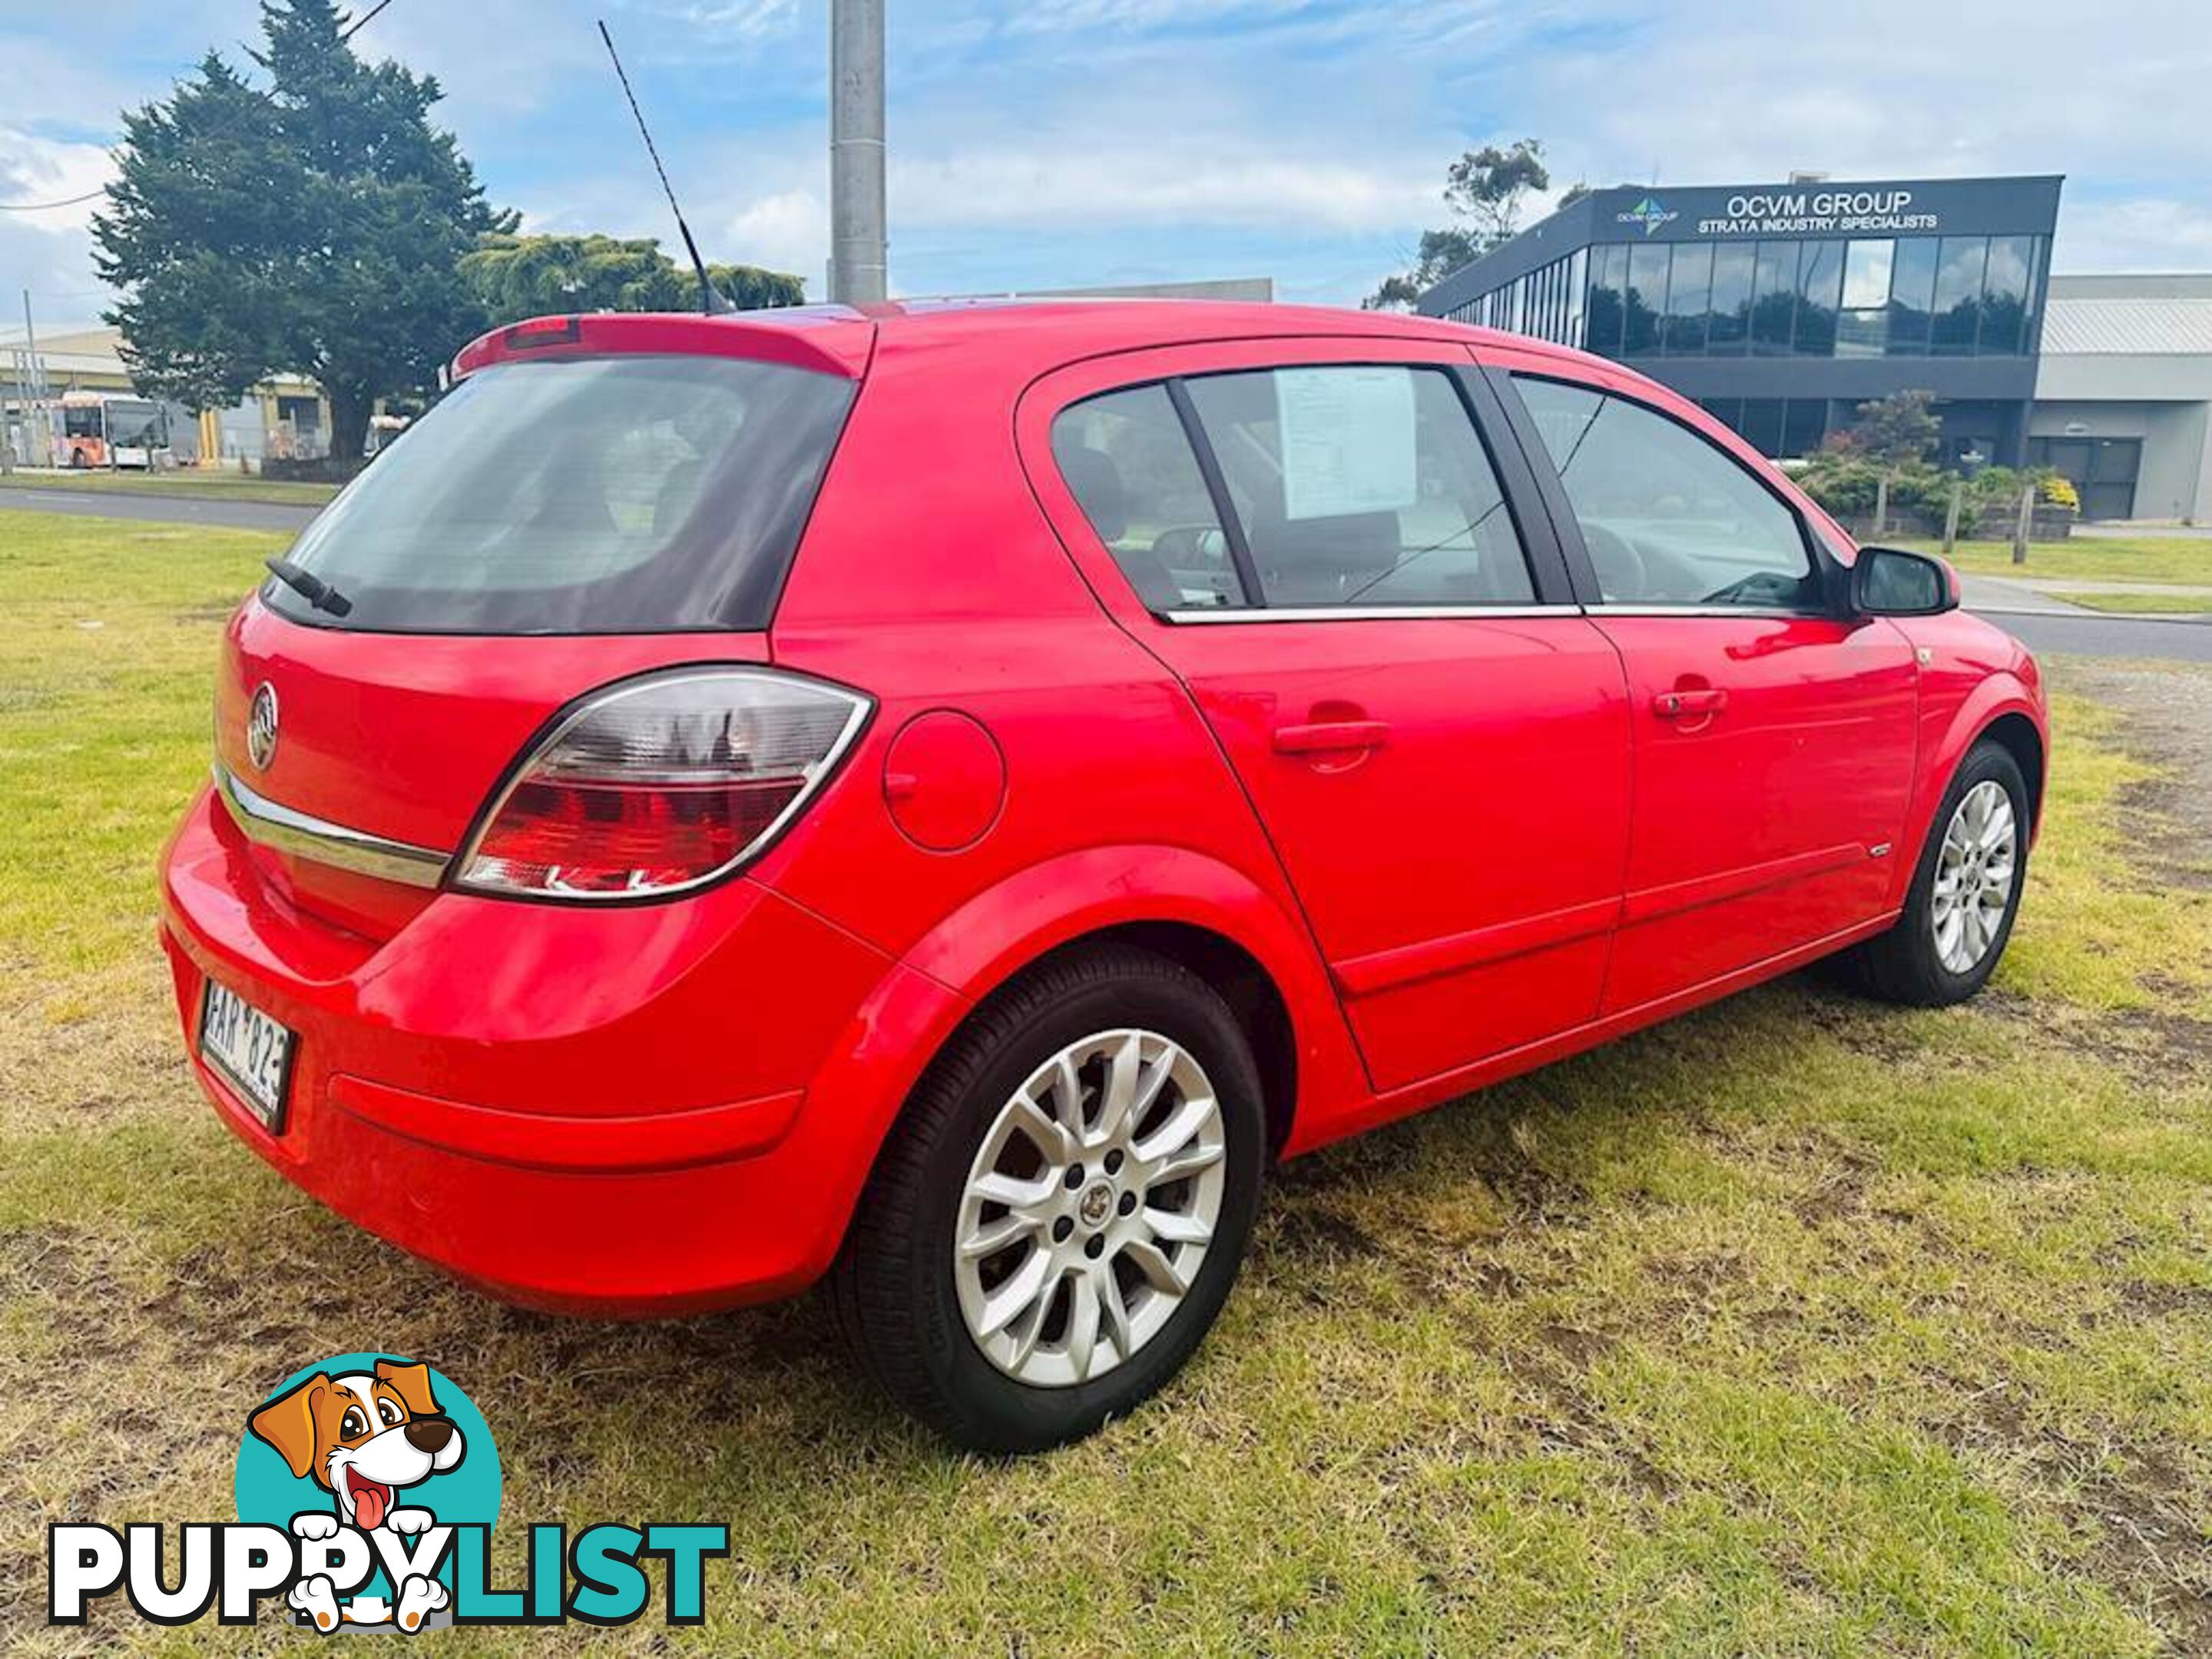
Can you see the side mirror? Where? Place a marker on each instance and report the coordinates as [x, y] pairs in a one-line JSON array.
[[1893, 581]]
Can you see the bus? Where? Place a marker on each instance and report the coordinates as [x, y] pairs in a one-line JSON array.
[[111, 429]]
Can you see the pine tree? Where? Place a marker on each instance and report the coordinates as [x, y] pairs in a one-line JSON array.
[[315, 226]]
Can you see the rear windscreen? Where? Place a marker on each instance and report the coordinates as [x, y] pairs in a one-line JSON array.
[[584, 495]]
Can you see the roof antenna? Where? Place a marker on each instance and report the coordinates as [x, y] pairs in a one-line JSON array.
[[712, 301]]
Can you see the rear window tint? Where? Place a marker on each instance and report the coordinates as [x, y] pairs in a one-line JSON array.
[[584, 496]]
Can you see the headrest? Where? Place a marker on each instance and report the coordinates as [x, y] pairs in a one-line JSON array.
[[1097, 482]]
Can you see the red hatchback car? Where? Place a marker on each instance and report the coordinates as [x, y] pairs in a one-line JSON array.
[[942, 798]]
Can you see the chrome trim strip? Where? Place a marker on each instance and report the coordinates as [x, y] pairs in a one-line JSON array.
[[272, 825], [1707, 610], [1374, 613]]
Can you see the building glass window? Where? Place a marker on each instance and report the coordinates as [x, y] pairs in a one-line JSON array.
[[1728, 323], [1647, 298], [1774, 298], [1689, 292], [2005, 294], [1862, 325], [1762, 425], [1958, 307], [1577, 281], [1804, 423], [2031, 328], [1608, 306], [1911, 297], [1820, 292]]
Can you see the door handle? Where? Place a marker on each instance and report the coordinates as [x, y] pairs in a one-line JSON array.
[[1326, 736], [1689, 705]]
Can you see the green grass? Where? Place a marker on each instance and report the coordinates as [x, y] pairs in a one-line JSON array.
[[2091, 558], [2145, 604], [1797, 1325], [184, 482]]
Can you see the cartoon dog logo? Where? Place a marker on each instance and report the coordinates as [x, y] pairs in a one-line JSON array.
[[365, 1436]]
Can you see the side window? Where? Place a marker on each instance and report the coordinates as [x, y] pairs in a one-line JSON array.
[[1667, 518], [1362, 485], [1130, 467]]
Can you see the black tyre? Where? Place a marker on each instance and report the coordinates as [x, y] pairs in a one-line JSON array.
[[1060, 1211], [1965, 891]]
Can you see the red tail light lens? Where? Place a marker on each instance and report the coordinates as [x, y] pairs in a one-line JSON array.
[[662, 784]]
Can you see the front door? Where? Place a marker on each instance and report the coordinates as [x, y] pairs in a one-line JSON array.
[[1774, 738], [1434, 737]]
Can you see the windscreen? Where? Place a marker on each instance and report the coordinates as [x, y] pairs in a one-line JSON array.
[[581, 495]]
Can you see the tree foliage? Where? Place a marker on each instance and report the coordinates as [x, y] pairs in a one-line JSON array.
[[1894, 430], [515, 277], [1486, 190], [315, 227]]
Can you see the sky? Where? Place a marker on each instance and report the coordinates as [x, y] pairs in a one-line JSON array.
[[1049, 143]]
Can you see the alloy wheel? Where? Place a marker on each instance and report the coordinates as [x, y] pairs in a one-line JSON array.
[[1976, 869], [1090, 1207]]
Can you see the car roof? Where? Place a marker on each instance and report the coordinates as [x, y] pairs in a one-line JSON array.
[[1024, 335]]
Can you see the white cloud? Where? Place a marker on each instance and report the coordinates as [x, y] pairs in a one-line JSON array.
[[742, 20], [1711, 91], [35, 169], [2145, 234], [1306, 135], [788, 230], [1080, 184]]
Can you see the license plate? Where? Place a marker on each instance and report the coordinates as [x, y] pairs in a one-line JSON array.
[[252, 1051]]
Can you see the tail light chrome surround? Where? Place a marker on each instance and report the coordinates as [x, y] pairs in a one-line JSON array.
[[599, 756]]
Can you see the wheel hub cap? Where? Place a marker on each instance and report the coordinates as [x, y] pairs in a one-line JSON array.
[[1089, 1208], [1976, 868], [1097, 1204]]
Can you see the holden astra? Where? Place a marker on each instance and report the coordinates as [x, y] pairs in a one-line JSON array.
[[939, 801]]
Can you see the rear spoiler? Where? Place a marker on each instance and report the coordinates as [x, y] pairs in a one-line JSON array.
[[825, 339]]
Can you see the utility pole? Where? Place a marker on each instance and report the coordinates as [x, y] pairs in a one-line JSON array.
[[38, 428], [858, 264]]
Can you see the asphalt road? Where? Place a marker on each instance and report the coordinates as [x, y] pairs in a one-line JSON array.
[[2052, 626], [165, 509], [2084, 635]]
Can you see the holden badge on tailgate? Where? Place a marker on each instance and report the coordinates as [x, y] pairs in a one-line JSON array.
[[261, 727]]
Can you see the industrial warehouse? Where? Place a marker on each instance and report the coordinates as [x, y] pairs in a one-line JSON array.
[[1782, 307]]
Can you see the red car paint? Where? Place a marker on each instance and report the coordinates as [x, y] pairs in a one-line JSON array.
[[1456, 848]]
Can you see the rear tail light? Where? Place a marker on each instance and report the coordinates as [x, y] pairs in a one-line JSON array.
[[662, 784]]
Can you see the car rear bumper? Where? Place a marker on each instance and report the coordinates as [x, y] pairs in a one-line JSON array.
[[627, 1111]]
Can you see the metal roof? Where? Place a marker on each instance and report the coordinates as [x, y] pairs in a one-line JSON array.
[[2076, 325]]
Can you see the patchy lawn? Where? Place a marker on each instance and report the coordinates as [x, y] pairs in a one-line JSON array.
[[185, 482], [2091, 558], [1799, 1324]]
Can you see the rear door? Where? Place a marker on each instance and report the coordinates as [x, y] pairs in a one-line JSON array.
[[1353, 579], [1774, 733]]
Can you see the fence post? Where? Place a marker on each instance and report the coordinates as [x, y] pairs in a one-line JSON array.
[[2020, 523], [1881, 505], [1951, 519]]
